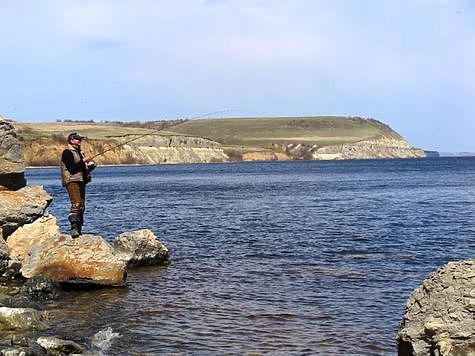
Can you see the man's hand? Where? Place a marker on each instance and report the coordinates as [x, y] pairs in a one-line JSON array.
[[87, 159]]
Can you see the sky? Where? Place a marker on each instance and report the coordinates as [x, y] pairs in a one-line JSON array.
[[407, 63]]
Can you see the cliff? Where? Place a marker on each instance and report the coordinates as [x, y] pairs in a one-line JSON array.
[[148, 150]]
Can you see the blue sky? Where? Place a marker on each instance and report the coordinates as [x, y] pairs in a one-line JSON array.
[[408, 63]]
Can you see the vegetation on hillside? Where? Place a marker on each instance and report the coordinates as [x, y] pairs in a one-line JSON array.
[[266, 132]]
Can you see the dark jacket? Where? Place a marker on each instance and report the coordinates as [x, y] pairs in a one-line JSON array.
[[73, 168]]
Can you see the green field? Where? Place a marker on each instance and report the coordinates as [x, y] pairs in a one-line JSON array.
[[262, 132]]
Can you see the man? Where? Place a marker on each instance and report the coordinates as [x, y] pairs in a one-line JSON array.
[[75, 174]]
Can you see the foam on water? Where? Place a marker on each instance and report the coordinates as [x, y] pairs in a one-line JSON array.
[[104, 338]]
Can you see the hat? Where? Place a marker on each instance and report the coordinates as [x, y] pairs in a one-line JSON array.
[[75, 135]]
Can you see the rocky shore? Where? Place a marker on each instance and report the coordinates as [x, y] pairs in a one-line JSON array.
[[37, 261], [440, 314]]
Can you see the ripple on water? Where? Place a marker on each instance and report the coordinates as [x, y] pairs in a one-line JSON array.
[[297, 257]]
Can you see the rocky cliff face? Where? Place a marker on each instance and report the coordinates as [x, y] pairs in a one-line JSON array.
[[381, 147], [158, 149], [148, 150]]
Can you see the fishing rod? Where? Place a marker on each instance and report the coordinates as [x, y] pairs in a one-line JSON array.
[[153, 132]]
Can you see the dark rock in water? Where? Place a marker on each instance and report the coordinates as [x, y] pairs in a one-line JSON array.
[[12, 168], [55, 346], [440, 314], [140, 247], [21, 207], [41, 288]]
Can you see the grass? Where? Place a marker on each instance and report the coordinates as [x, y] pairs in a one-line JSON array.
[[263, 132]]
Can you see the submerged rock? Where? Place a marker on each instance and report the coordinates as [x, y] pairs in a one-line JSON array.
[[88, 259], [20, 319], [21, 207], [25, 237], [439, 317], [12, 168], [56, 346], [140, 247]]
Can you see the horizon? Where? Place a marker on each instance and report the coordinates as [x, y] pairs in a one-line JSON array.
[[410, 64]]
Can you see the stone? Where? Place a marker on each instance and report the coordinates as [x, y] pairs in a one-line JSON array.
[[25, 237], [20, 319], [12, 168], [56, 346], [22, 207], [438, 319], [140, 247], [41, 288], [4, 256], [88, 259]]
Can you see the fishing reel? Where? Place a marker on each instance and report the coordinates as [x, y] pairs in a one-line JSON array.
[[91, 165]]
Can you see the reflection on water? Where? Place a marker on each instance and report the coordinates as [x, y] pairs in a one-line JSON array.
[[303, 257]]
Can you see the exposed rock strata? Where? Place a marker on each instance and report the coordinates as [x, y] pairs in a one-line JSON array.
[[140, 247], [22, 207], [382, 147], [440, 314], [88, 259], [154, 149], [12, 168]]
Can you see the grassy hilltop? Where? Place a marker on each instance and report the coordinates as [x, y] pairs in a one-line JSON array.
[[263, 132]]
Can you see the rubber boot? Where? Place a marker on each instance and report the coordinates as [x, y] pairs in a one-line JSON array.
[[80, 223], [74, 219]]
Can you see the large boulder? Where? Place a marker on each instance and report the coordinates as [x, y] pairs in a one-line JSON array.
[[140, 247], [22, 207], [88, 259], [12, 168], [25, 237], [439, 316]]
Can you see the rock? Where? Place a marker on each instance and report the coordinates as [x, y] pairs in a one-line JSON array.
[[12, 168], [4, 256], [41, 288], [56, 346], [22, 207], [140, 247], [25, 237], [439, 316], [88, 259], [13, 268], [20, 319]]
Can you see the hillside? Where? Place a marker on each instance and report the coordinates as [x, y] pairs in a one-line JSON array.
[[265, 132], [219, 140]]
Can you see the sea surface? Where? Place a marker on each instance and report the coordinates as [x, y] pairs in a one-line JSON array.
[[302, 257]]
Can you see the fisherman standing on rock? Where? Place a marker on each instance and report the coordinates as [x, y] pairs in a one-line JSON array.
[[76, 171]]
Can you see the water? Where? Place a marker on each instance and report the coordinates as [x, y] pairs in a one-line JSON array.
[[302, 257]]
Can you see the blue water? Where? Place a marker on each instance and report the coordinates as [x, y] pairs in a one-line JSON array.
[[304, 257]]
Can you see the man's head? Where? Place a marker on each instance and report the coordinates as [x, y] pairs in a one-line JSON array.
[[75, 139]]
